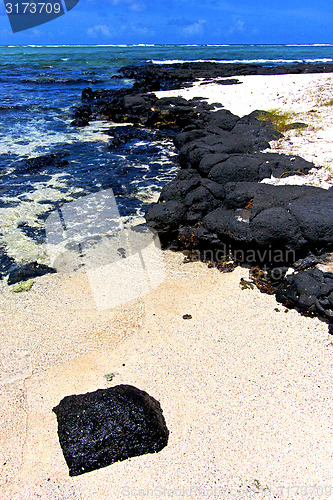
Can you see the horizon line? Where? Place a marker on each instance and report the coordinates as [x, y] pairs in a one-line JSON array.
[[169, 45]]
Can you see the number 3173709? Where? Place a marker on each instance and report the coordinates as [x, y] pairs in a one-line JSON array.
[[33, 8]]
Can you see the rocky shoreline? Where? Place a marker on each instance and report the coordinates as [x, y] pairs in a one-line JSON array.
[[152, 77], [217, 209], [217, 202]]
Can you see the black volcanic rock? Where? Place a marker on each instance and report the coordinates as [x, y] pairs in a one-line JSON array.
[[235, 168], [276, 226], [281, 165], [87, 95], [199, 202], [173, 76], [274, 214], [166, 217], [82, 115], [209, 161], [184, 183], [314, 214], [221, 119], [27, 271], [150, 77], [109, 425], [310, 291], [6, 262], [261, 130], [80, 122], [136, 105], [217, 197], [222, 135], [185, 137], [49, 160]]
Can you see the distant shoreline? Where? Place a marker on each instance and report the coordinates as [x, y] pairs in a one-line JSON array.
[[177, 45]]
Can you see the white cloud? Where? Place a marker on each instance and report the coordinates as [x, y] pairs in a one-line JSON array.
[[38, 32], [195, 28], [140, 29], [237, 27], [134, 5], [99, 29]]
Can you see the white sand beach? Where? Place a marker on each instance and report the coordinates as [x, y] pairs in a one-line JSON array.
[[245, 385], [305, 96]]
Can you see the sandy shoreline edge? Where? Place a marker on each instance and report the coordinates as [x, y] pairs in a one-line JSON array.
[[245, 390]]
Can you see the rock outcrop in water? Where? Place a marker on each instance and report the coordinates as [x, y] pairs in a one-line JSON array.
[[24, 272], [135, 105], [40, 162], [217, 195], [109, 425], [216, 203]]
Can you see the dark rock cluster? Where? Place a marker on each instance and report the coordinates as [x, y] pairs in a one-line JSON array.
[[82, 114], [26, 271], [152, 77], [144, 109], [310, 291], [217, 195], [49, 160], [135, 105], [217, 207], [109, 425]]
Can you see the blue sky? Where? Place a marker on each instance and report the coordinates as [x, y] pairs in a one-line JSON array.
[[182, 21]]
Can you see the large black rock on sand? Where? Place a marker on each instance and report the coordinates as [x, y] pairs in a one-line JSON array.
[[109, 425], [310, 291]]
